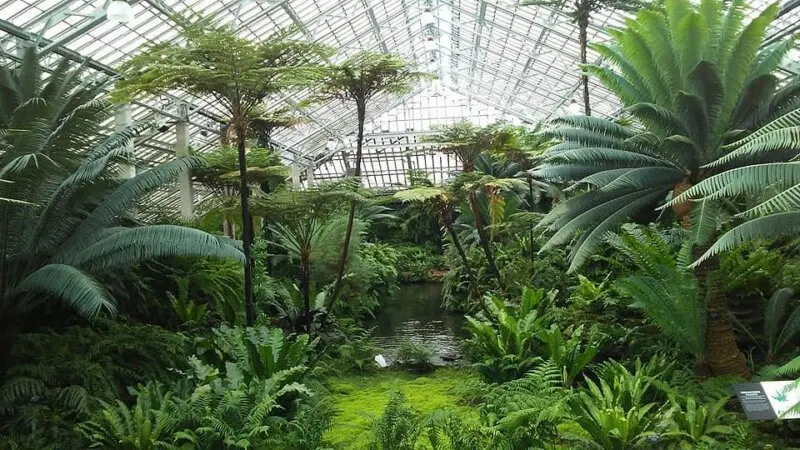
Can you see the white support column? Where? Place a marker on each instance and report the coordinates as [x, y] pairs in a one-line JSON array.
[[296, 175], [310, 176], [123, 119], [181, 150]]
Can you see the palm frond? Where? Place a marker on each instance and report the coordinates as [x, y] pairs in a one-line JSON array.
[[769, 227], [71, 285], [130, 246]]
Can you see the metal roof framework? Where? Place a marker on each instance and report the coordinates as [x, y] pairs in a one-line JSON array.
[[495, 60]]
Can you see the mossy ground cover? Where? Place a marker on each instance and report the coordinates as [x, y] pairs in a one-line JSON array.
[[359, 399]]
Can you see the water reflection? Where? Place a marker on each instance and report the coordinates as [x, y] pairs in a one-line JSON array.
[[414, 314]]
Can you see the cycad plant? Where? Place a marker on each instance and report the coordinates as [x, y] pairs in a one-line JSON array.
[[237, 75], [77, 227], [692, 77], [46, 121], [772, 189], [664, 289], [358, 79]]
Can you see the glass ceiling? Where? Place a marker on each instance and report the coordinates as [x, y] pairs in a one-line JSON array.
[[495, 60]]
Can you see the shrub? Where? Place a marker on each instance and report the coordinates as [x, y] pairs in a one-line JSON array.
[[398, 428], [415, 356], [503, 346]]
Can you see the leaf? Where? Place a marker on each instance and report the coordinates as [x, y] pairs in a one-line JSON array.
[[68, 284], [769, 227]]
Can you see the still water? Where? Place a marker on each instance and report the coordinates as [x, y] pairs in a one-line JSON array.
[[414, 314]]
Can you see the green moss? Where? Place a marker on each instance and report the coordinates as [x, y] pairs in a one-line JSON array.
[[359, 399]]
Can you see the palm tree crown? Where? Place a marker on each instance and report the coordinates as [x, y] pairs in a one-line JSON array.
[[692, 77]]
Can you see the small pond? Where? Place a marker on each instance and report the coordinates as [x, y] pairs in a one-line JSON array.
[[414, 314]]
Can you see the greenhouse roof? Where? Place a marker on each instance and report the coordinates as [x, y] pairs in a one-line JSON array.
[[494, 58]]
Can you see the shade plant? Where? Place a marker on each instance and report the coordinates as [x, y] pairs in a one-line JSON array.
[[237, 75], [443, 201], [691, 77], [357, 80], [222, 177], [504, 344]]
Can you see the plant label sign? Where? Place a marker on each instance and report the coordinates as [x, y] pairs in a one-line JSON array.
[[769, 400]]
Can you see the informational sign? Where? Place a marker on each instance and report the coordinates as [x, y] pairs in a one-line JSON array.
[[769, 400]]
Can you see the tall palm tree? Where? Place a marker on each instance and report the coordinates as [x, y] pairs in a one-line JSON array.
[[73, 227], [358, 79], [581, 13], [692, 77], [238, 74]]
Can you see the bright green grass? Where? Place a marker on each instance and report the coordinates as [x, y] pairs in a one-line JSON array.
[[359, 399]]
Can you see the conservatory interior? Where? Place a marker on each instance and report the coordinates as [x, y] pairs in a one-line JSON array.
[[400, 225]]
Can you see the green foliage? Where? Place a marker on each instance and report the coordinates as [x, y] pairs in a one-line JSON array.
[[56, 379], [781, 322], [287, 307], [220, 411], [415, 356], [415, 263], [699, 425], [570, 355], [242, 74], [526, 413], [684, 74], [467, 141], [666, 292], [614, 411], [365, 74], [355, 353], [399, 426], [503, 345], [359, 398], [47, 120], [256, 353], [79, 228], [446, 430]]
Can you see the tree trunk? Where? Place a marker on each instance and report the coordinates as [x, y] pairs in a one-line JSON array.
[[724, 356], [530, 232], [473, 283], [305, 285], [583, 39], [460, 250], [361, 107], [247, 228], [482, 238]]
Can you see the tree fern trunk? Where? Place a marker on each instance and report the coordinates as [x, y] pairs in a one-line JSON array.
[[361, 107], [583, 38], [482, 238], [724, 356], [530, 208], [305, 285], [247, 228]]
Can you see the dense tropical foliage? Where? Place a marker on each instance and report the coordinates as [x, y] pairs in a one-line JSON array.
[[599, 283]]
